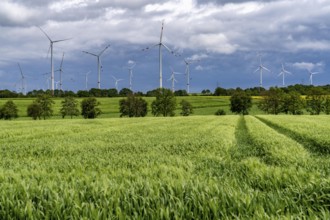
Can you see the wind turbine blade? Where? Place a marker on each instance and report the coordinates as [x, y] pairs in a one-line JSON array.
[[19, 66], [104, 50], [257, 70], [45, 34], [90, 53], [62, 61], [265, 68], [56, 41], [172, 52], [161, 33]]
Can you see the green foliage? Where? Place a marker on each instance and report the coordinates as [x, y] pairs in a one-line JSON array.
[[220, 112], [180, 93], [314, 101], [240, 103], [326, 106], [125, 92], [89, 108], [8, 111], [34, 110], [164, 104], [186, 108], [46, 105], [69, 107], [293, 103], [133, 106], [272, 101], [220, 91]]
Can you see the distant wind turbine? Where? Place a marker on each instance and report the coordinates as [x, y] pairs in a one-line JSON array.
[[160, 45], [172, 78], [283, 72], [23, 89], [61, 71], [86, 79], [51, 57], [130, 73], [116, 82], [311, 76], [188, 62], [98, 56], [261, 68]]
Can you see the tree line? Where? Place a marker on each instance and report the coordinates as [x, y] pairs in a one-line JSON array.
[[219, 91]]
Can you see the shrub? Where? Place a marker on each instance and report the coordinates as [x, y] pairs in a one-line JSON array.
[[133, 106], [69, 107], [34, 110], [164, 104], [220, 112], [89, 108], [8, 111], [240, 102], [186, 108]]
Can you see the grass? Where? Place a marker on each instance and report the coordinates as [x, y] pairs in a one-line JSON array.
[[199, 167], [203, 105]]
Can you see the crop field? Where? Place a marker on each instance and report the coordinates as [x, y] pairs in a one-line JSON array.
[[199, 167]]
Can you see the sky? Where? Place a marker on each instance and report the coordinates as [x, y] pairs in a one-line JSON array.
[[224, 40]]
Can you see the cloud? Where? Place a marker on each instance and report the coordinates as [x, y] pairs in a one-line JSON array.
[[308, 66]]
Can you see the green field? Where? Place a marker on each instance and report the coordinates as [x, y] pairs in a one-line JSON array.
[[199, 167], [203, 105]]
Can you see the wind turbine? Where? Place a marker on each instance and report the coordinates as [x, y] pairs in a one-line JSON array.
[[283, 72], [172, 78], [51, 56], [98, 56], [130, 73], [116, 82], [23, 79], [61, 71], [261, 68], [311, 75], [188, 62], [160, 45]]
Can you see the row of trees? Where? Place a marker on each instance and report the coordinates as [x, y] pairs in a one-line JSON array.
[[276, 101], [94, 92]]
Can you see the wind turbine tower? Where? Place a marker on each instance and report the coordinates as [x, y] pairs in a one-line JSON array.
[[283, 72], [61, 71], [172, 78], [23, 79], [188, 62], [86, 79], [261, 68], [98, 56], [51, 57], [311, 75], [130, 73], [160, 45]]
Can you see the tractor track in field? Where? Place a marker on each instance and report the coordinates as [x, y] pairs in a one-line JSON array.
[[311, 145]]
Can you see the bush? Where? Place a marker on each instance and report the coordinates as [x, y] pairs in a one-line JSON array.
[[186, 108], [164, 104], [34, 110], [89, 108], [133, 106], [220, 112], [69, 107], [240, 102], [8, 111]]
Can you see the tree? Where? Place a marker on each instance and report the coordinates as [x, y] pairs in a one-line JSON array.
[[89, 108], [314, 101], [220, 91], [272, 101], [326, 106], [180, 92], [8, 111], [240, 102], [46, 105], [69, 107], [220, 112], [34, 110], [186, 108], [292, 103], [133, 106], [125, 92], [164, 104]]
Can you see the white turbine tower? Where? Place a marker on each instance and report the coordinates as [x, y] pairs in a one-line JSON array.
[[23, 79], [98, 56], [172, 78], [261, 68], [116, 82], [51, 57], [311, 75], [130, 74], [61, 71], [86, 79], [188, 62], [283, 72], [160, 45]]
